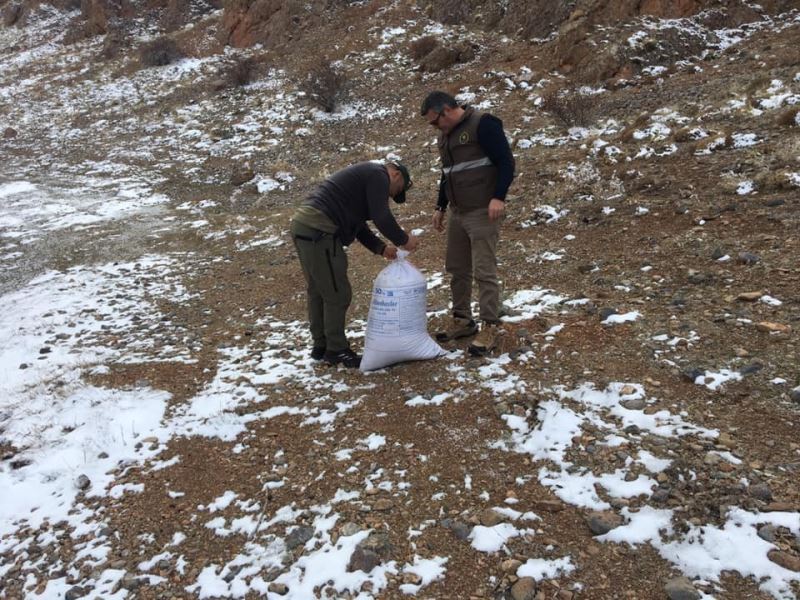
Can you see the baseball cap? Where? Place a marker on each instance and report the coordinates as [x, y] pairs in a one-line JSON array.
[[407, 183]]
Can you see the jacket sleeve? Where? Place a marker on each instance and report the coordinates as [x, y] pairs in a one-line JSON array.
[[378, 204], [492, 140], [369, 240]]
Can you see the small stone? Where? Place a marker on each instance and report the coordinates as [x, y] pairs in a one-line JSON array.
[[717, 253], [524, 589], [753, 367], [278, 588], [547, 505], [784, 559], [795, 395], [780, 507], [742, 353], [383, 504], [363, 559], [660, 496], [726, 440], [131, 582], [602, 522], [761, 491], [75, 592], [461, 530], [490, 518], [349, 529], [299, 536], [9, 132], [510, 565], [770, 327], [711, 459], [45, 350], [150, 440], [692, 374], [680, 588], [750, 296], [768, 533], [634, 403], [242, 176], [747, 258], [627, 390], [83, 482]]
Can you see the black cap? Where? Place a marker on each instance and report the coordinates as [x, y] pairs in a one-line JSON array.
[[407, 183]]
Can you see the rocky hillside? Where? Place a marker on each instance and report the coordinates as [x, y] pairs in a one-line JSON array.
[[163, 430]]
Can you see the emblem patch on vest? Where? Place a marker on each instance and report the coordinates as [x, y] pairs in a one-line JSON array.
[[464, 137]]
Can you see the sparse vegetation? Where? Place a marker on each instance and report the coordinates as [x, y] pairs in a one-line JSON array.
[[161, 51], [325, 85], [423, 46], [789, 117], [240, 72], [569, 107]]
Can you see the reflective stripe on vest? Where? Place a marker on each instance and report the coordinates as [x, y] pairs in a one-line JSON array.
[[470, 164]]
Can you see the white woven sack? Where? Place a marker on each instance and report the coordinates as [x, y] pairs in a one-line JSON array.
[[397, 326]]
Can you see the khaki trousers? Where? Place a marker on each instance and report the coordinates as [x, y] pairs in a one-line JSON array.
[[324, 263], [472, 255]]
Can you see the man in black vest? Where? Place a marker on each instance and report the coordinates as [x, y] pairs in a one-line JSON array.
[[334, 215], [477, 170]]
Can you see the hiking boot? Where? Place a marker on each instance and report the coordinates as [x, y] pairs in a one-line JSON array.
[[459, 328], [345, 357], [485, 341], [317, 352]]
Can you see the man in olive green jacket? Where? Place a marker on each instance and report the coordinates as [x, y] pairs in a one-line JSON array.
[[333, 216]]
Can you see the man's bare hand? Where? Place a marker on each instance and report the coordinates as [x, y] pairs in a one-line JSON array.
[[438, 220], [411, 244], [497, 209], [389, 252]]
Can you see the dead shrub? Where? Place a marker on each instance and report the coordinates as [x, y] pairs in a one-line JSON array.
[[113, 45], [773, 181], [626, 135], [325, 85], [450, 12], [569, 107], [240, 72], [161, 51], [423, 46], [682, 135], [439, 59], [789, 118], [75, 32]]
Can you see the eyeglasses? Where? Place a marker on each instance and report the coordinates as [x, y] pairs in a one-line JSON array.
[[435, 122]]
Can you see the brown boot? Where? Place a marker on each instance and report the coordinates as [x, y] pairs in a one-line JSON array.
[[486, 340], [459, 327]]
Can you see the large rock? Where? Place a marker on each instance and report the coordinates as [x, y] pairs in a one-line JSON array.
[[680, 588], [267, 22], [524, 589], [602, 522]]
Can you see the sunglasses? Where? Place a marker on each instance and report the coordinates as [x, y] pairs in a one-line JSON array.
[[435, 122]]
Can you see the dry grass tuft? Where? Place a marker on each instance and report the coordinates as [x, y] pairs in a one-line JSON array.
[[161, 51], [421, 47], [569, 107], [773, 181], [626, 135], [789, 117], [325, 85]]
